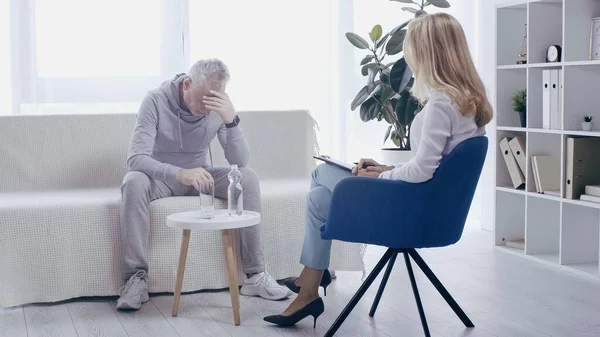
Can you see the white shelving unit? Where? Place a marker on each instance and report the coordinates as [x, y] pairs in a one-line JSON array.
[[558, 232]]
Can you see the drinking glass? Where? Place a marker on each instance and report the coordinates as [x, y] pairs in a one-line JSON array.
[[207, 200]]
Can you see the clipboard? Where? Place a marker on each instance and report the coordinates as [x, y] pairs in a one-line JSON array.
[[334, 162]]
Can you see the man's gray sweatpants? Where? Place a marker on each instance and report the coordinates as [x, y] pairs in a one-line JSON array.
[[138, 190]]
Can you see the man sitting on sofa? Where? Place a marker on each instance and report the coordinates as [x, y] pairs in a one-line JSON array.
[[167, 157]]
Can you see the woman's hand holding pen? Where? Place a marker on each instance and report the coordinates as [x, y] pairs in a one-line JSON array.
[[369, 168]]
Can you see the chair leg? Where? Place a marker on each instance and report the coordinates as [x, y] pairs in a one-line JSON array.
[[388, 271], [413, 282], [440, 288], [361, 291]]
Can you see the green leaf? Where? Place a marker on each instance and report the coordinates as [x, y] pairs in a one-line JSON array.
[[381, 41], [401, 109], [409, 9], [365, 69], [371, 79], [360, 98], [377, 89], [402, 26], [396, 138], [387, 134], [386, 94], [400, 76], [395, 44], [376, 33], [420, 12], [367, 59], [368, 110], [357, 41], [412, 106], [440, 3], [385, 76]]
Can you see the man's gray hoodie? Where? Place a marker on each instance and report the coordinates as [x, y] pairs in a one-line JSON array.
[[167, 137]]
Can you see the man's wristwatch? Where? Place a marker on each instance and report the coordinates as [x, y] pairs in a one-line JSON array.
[[235, 122]]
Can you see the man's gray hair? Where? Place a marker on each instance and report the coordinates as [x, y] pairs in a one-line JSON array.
[[206, 68]]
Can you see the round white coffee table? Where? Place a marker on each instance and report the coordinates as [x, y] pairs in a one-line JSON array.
[[189, 221]]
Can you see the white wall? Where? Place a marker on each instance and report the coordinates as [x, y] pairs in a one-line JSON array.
[[486, 24]]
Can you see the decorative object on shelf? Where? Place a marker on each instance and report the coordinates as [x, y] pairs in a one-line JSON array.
[[523, 54], [553, 53], [386, 95], [586, 124], [520, 105], [595, 39]]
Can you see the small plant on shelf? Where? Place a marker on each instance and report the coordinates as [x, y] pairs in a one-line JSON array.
[[520, 105], [586, 124]]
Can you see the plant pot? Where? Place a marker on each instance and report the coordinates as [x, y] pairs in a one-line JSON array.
[[523, 116], [393, 156], [586, 126]]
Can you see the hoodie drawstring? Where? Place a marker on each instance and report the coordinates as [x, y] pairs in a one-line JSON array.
[[179, 125]]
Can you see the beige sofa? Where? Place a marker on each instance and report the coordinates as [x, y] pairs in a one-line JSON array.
[[59, 218]]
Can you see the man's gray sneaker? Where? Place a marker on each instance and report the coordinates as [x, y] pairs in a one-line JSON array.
[[134, 293]]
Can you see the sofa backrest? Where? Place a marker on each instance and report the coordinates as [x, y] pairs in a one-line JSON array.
[[89, 151]]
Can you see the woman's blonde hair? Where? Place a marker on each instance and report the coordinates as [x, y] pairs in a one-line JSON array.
[[436, 50]]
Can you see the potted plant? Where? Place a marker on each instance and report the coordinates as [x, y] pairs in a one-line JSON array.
[[386, 95], [586, 124], [520, 106]]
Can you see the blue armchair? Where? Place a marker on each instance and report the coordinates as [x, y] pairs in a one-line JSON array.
[[404, 216]]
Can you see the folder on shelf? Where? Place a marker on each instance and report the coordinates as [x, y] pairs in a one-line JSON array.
[[582, 165], [593, 190], [554, 86], [547, 173], [515, 173], [517, 147], [546, 98]]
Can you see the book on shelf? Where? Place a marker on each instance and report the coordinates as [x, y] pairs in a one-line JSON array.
[[582, 165], [517, 244], [593, 190], [592, 198], [516, 176], [546, 172]]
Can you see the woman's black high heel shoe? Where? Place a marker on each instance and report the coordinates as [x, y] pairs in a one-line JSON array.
[[290, 282], [314, 309]]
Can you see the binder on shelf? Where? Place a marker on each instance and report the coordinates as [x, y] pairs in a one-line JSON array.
[[517, 147], [593, 190], [548, 173], [559, 123], [554, 86], [515, 173], [546, 98], [582, 165]]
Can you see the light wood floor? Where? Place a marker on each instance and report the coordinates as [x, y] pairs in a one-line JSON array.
[[503, 295]]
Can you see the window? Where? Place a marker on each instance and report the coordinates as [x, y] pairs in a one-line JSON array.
[[5, 86]]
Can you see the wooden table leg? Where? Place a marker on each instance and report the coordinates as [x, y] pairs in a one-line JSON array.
[[183, 250], [230, 259]]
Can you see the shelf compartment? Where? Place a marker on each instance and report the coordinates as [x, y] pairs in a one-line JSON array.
[[541, 33], [581, 88], [503, 178], [578, 17], [511, 29], [580, 237], [543, 227], [509, 82], [509, 225], [542, 144]]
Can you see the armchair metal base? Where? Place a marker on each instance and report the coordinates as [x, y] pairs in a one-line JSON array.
[[390, 256]]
